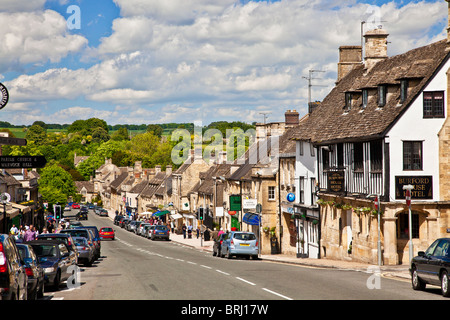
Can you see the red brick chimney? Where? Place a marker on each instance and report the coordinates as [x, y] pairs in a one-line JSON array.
[[291, 118]]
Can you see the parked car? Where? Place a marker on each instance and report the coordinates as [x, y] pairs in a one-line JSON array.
[[149, 230], [13, 277], [55, 258], [34, 271], [141, 228], [117, 219], [124, 222], [75, 206], [64, 237], [74, 224], [137, 226], [240, 243], [432, 267], [131, 226], [107, 233], [67, 208], [103, 213], [80, 232], [160, 232], [217, 246], [96, 239], [85, 251]]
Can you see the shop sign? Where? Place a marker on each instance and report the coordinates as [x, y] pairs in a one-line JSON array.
[[423, 187], [336, 181]]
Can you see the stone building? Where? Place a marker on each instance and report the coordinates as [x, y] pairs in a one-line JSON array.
[[383, 126]]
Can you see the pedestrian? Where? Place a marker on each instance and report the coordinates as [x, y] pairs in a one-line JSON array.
[[190, 231], [30, 234], [172, 225], [184, 231], [198, 232], [14, 231], [44, 231]]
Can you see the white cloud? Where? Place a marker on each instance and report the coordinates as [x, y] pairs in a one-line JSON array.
[[35, 37], [21, 5], [189, 59]]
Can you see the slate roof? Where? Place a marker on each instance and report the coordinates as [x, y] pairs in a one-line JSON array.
[[330, 123]]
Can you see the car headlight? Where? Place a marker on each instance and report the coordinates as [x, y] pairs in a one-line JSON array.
[[49, 270]]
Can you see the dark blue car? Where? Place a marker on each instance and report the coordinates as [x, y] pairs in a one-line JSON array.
[[432, 267], [34, 271]]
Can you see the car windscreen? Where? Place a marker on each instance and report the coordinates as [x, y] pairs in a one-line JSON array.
[[43, 250], [161, 228], [244, 236], [107, 229], [77, 233]]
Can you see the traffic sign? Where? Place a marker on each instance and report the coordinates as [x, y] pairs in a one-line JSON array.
[[9, 162], [13, 141]]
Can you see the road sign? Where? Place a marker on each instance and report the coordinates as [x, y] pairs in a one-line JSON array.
[[5, 197], [8, 162], [13, 141], [4, 96]]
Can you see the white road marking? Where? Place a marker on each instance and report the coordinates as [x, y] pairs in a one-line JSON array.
[[277, 294], [225, 273], [246, 281]]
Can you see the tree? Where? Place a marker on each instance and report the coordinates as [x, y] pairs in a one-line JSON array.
[[156, 129], [56, 184], [37, 134]]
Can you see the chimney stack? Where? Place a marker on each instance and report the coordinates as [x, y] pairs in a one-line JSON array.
[[291, 118], [349, 58], [375, 47]]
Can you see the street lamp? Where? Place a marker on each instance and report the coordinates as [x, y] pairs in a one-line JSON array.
[[408, 189]]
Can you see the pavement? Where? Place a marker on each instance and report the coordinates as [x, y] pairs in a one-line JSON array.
[[400, 272]]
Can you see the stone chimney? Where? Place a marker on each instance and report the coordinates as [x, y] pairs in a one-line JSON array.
[[375, 47], [349, 58], [291, 118], [168, 170], [157, 168]]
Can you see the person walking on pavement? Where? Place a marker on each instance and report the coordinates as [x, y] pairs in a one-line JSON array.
[[184, 231], [30, 234]]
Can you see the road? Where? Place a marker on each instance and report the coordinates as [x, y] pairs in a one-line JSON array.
[[135, 268]]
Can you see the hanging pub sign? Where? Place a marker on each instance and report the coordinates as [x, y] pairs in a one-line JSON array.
[[336, 181], [235, 203], [423, 187], [4, 96]]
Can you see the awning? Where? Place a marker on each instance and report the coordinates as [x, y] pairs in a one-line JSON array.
[[251, 219], [160, 213], [24, 209], [176, 216]]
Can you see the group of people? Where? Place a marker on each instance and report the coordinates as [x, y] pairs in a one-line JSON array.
[[24, 233]]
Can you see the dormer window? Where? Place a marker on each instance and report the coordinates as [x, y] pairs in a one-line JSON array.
[[403, 90], [382, 90], [365, 98], [348, 101]]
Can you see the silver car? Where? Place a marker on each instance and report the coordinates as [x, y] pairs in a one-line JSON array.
[[240, 243], [141, 228], [85, 251]]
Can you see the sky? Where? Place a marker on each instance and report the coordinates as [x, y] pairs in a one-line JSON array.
[[162, 61]]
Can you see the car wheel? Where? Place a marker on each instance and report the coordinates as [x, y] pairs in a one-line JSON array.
[[417, 283], [228, 255], [214, 252], [57, 281], [445, 284], [40, 293]]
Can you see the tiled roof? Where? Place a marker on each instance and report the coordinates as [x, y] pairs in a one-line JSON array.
[[330, 123]]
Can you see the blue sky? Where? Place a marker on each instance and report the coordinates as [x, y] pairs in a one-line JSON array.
[[159, 61]]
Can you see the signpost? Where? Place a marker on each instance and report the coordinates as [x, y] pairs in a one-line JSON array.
[[13, 141], [408, 189], [10, 162], [4, 199]]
